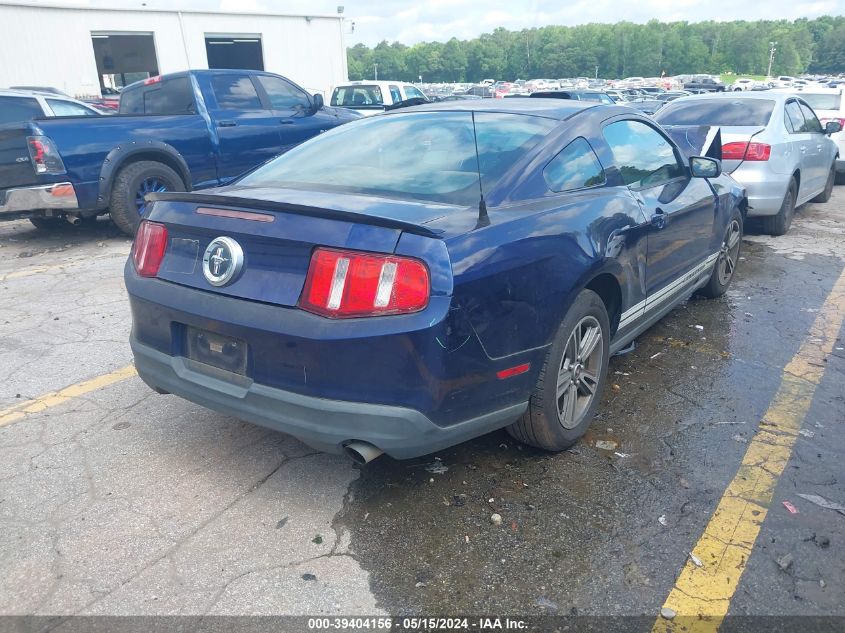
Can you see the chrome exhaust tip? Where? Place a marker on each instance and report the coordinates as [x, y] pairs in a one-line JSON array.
[[362, 452]]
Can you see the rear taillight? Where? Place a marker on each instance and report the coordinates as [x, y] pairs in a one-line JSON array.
[[343, 284], [840, 121], [149, 247], [44, 156], [743, 150]]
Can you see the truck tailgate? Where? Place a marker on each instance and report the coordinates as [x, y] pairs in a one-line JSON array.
[[15, 166]]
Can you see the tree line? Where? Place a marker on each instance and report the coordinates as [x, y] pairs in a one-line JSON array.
[[613, 51]]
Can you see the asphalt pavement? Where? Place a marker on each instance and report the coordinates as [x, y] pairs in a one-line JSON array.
[[115, 500]]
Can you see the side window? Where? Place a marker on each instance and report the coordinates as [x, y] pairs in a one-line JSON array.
[[812, 123], [172, 96], [793, 113], [14, 109], [644, 157], [235, 92], [395, 94], [68, 108], [412, 93], [575, 167], [284, 96]]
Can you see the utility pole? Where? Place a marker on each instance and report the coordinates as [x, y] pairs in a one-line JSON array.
[[772, 50], [375, 70], [597, 72]]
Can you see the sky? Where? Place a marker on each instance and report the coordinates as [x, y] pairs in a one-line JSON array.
[[426, 20]]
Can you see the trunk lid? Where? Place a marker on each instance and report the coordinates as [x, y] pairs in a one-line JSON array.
[[15, 165], [278, 230]]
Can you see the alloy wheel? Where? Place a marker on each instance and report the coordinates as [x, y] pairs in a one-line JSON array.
[[579, 373], [729, 253]]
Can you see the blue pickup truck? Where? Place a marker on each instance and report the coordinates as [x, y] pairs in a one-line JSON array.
[[178, 132]]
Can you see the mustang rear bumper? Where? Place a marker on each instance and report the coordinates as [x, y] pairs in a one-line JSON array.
[[60, 195], [321, 423]]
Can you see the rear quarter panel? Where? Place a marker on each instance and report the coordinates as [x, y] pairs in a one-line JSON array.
[[515, 279]]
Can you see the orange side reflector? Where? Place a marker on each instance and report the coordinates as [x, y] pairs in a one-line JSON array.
[[61, 191]]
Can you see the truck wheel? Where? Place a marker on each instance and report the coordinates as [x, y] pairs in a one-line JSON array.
[[779, 224], [572, 379], [824, 196], [132, 183]]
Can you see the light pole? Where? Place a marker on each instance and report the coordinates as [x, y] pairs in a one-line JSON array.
[[772, 50], [597, 72], [375, 70]]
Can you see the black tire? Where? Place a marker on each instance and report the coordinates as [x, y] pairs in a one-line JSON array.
[[725, 267], [47, 224], [123, 209], [541, 425], [779, 224], [824, 196]]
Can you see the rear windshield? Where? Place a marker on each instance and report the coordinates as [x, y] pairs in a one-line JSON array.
[[171, 96], [420, 156], [357, 96], [725, 112], [14, 109], [822, 101]]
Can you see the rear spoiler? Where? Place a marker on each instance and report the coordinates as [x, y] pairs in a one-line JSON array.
[[284, 207], [697, 140]]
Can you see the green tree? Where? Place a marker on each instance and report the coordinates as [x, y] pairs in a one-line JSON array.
[[619, 50]]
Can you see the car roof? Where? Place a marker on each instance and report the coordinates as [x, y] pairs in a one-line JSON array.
[[771, 95], [380, 82], [551, 108]]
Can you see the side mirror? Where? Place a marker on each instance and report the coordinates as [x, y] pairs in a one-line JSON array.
[[832, 127], [318, 103], [703, 167]]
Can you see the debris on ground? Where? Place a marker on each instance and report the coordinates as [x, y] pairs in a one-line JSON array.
[[699, 328], [785, 562], [281, 523], [695, 560], [792, 509], [496, 519], [436, 467], [309, 577], [606, 445], [545, 603], [806, 433], [824, 503], [621, 455], [662, 520], [421, 584], [653, 356], [740, 439], [317, 540], [666, 613]]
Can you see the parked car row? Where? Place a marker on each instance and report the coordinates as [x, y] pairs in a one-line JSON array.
[[486, 255]]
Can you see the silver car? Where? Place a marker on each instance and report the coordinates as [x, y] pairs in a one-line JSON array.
[[772, 143]]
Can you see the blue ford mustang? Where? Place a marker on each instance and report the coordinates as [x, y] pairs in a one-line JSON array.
[[412, 280]]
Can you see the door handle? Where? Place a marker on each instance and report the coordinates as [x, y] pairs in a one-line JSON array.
[[658, 220], [227, 123], [287, 121]]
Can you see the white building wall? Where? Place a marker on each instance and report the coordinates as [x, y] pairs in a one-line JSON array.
[[51, 46]]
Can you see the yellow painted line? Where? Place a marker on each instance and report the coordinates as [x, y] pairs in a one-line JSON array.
[[48, 400], [701, 595]]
